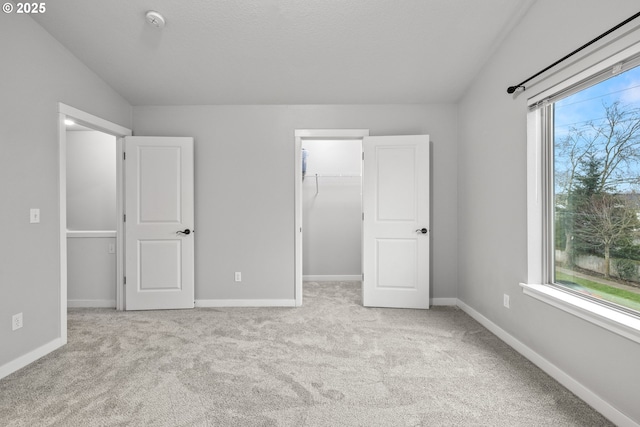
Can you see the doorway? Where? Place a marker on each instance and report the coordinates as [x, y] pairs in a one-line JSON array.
[[395, 216], [91, 217], [332, 210], [326, 174], [93, 123]]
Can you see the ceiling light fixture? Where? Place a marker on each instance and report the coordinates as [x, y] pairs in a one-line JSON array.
[[155, 19], [69, 122]]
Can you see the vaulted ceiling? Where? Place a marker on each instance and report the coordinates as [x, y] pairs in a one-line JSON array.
[[284, 51]]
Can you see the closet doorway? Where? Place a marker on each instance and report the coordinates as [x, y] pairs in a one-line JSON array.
[[91, 217], [328, 205], [395, 213], [94, 123]]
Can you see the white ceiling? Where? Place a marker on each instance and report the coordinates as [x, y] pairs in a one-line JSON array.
[[284, 51]]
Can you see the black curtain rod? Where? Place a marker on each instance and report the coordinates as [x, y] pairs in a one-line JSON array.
[[512, 89]]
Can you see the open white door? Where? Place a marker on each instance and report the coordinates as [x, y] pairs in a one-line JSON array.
[[159, 238], [395, 193]]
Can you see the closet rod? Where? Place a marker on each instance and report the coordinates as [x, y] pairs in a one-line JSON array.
[[512, 89], [332, 176]]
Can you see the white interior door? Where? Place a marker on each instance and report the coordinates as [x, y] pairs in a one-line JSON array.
[[395, 203], [159, 238]]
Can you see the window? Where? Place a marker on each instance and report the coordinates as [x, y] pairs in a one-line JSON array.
[[583, 191], [595, 137]]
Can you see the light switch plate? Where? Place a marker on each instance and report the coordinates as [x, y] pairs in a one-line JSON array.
[[34, 216]]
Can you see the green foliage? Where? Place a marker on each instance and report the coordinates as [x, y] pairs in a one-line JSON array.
[[610, 293], [627, 249], [627, 269], [560, 232], [577, 219], [588, 179]]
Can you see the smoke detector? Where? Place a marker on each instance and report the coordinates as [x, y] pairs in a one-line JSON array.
[[155, 19]]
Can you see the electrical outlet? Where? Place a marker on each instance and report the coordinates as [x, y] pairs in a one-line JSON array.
[[506, 301], [16, 321], [238, 276]]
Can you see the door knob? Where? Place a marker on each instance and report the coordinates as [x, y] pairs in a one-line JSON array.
[[422, 230], [185, 231]]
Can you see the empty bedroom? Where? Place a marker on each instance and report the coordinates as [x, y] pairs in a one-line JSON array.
[[320, 213]]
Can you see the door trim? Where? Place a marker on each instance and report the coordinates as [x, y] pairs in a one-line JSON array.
[[96, 123], [299, 135]]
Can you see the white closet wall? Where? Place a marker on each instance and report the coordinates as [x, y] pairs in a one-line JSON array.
[[91, 219], [332, 221]]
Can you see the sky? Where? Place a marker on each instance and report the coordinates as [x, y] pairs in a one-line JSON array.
[[587, 104], [577, 110]]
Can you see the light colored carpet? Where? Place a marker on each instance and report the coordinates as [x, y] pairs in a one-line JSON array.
[[328, 363]]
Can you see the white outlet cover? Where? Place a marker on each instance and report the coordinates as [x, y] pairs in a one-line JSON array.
[[16, 321]]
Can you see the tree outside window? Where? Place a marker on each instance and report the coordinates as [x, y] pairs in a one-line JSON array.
[[597, 190]]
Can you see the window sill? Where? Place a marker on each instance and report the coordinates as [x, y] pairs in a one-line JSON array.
[[605, 317]]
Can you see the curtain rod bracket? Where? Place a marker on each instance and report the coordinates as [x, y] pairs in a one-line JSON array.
[[518, 88]]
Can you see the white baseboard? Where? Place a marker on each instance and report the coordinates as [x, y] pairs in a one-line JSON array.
[[599, 404], [245, 303], [32, 356], [444, 301], [332, 278], [91, 303]]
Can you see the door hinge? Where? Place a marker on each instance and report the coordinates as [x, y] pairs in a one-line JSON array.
[[125, 280], [124, 156], [363, 216], [363, 155], [124, 218]]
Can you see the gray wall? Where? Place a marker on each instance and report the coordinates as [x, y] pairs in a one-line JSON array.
[[245, 188], [37, 73], [492, 227], [91, 181], [332, 209]]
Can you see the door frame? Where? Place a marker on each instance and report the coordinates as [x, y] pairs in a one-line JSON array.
[[299, 135], [95, 123]]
